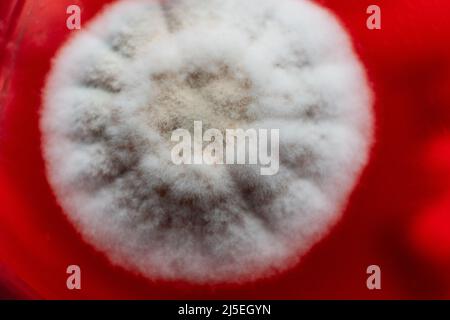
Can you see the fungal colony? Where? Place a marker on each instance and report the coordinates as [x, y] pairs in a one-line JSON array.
[[142, 69]]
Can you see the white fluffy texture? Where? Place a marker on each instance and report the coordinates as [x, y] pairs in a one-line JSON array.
[[142, 69]]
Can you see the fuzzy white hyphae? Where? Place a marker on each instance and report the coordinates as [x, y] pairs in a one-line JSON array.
[[142, 69]]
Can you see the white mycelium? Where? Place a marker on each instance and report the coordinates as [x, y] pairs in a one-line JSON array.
[[142, 69]]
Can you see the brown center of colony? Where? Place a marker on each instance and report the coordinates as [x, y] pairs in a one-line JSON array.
[[219, 99]]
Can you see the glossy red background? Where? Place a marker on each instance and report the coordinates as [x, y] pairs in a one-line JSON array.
[[398, 217]]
